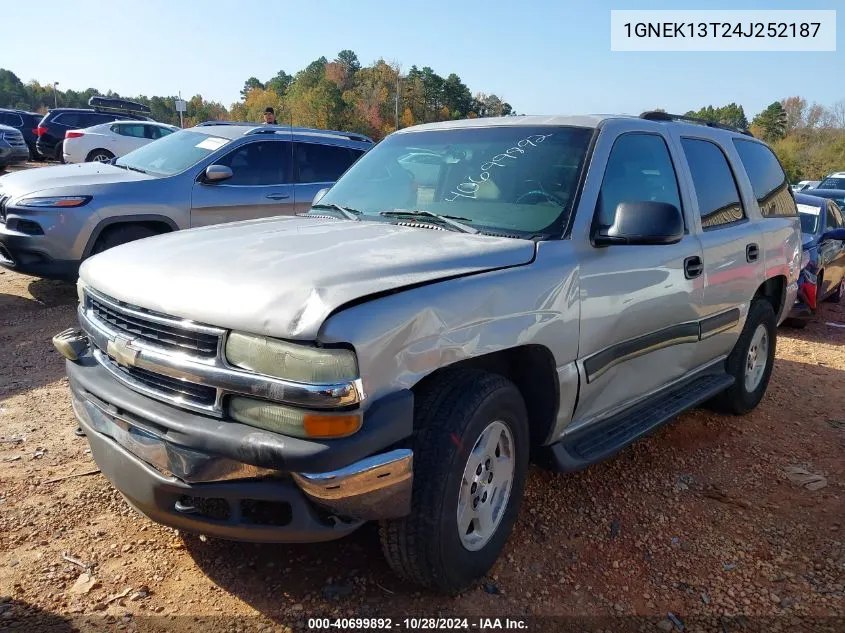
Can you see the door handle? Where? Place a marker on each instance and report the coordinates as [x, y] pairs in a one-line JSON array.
[[693, 267], [277, 196], [752, 252]]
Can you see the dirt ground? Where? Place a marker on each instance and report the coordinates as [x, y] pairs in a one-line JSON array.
[[697, 528]]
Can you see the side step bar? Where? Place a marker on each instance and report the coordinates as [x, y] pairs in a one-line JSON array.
[[600, 440]]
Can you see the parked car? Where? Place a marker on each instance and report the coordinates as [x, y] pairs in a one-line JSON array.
[[835, 180], [25, 123], [804, 184], [823, 259], [103, 142], [398, 356], [54, 217], [53, 126], [837, 195], [13, 149]]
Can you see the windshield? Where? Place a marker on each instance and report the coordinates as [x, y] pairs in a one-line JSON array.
[[172, 154], [517, 180], [809, 218], [832, 183]]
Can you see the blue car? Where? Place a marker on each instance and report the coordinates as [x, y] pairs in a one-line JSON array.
[[823, 261]]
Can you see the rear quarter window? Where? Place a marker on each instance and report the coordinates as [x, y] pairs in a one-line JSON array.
[[768, 180]]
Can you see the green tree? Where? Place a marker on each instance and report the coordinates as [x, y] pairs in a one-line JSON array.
[[772, 122], [250, 84], [280, 83]]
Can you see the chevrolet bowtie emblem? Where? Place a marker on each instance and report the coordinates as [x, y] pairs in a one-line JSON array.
[[121, 351]]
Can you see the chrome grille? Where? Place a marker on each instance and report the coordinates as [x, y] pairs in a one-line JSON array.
[[14, 139], [171, 387], [138, 325]]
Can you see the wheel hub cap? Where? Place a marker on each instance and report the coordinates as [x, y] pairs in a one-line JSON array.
[[757, 359], [485, 486]]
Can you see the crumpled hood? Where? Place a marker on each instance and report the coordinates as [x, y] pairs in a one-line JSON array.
[[283, 276], [73, 178]]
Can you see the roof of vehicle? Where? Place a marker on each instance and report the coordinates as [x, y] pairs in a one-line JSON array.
[[19, 111], [589, 121], [810, 200], [836, 174], [97, 110], [232, 131], [825, 193]]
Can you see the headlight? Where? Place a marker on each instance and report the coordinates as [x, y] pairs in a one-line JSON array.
[[291, 361], [80, 290], [54, 202], [290, 421]]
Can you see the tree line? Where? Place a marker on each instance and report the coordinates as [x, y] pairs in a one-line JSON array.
[[337, 94]]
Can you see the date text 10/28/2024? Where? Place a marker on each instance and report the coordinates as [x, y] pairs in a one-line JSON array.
[[417, 624]]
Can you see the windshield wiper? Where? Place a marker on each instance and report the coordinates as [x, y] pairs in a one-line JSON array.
[[138, 169], [347, 212], [450, 220]]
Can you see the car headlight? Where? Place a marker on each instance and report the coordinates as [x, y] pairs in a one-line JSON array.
[[80, 290], [54, 202], [292, 361], [286, 420]]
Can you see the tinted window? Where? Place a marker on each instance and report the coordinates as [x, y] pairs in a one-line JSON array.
[[837, 214], [832, 183], [96, 118], [767, 178], [261, 163], [832, 220], [322, 163], [11, 118], [715, 187], [809, 220], [157, 131], [639, 169], [68, 119], [130, 129]]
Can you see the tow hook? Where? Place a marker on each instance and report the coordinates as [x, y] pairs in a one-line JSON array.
[[70, 343]]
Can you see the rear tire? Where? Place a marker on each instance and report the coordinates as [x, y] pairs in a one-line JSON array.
[[756, 344], [470, 455], [117, 235], [99, 156]]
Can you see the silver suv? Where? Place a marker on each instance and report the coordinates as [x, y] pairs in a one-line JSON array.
[[468, 294], [52, 218]]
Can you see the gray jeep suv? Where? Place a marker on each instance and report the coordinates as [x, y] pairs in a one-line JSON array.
[[52, 218], [553, 287]]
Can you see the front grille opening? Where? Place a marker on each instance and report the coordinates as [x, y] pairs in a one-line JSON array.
[[207, 507], [173, 387], [29, 227], [277, 513], [157, 333]]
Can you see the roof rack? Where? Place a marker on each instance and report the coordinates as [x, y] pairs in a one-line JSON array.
[[116, 104], [244, 123], [272, 129], [656, 115]]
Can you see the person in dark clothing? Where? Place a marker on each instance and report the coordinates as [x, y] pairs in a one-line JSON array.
[[270, 116]]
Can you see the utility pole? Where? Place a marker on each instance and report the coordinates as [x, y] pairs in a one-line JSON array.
[[397, 100], [55, 95]]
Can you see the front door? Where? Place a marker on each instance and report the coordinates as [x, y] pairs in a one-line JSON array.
[[639, 328], [260, 186]]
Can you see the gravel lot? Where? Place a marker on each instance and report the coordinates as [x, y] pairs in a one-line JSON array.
[[697, 523]]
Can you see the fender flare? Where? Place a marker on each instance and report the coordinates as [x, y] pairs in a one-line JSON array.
[[124, 219]]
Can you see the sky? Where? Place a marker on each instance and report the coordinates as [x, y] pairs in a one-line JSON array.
[[542, 56]]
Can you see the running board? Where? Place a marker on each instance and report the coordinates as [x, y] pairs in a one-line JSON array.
[[603, 438]]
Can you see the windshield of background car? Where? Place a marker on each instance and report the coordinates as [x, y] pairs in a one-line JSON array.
[[809, 218], [832, 183], [173, 153], [517, 180]]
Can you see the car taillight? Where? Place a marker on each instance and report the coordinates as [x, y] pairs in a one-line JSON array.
[[74, 134], [40, 130]]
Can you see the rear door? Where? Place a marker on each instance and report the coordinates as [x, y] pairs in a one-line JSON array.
[[126, 137], [731, 245], [316, 166], [261, 185]]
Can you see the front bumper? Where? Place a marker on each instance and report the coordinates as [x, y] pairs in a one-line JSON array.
[[173, 465], [22, 253]]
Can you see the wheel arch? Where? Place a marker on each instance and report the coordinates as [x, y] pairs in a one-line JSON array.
[[773, 290], [161, 223]]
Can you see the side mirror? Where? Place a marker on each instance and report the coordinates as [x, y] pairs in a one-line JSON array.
[[641, 223], [319, 195], [834, 234], [217, 173]]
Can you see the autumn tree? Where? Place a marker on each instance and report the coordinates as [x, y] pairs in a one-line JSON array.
[[772, 122], [250, 84]]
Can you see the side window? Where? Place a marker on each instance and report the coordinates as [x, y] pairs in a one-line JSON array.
[[11, 118], [259, 163], [768, 181], [322, 163], [157, 131], [89, 119], [715, 186], [837, 214], [130, 129], [832, 220], [68, 119], [639, 169]]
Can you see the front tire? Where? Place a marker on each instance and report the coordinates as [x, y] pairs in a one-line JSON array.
[[751, 360], [117, 235], [470, 465]]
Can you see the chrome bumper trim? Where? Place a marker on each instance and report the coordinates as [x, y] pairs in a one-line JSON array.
[[213, 373], [378, 487]]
